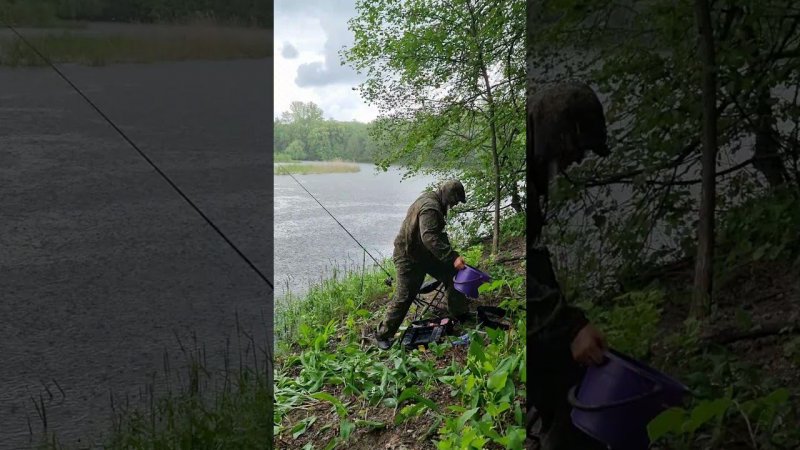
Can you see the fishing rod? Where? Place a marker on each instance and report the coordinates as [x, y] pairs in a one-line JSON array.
[[337, 221], [142, 154]]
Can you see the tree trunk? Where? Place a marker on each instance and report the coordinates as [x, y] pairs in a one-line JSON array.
[[766, 158], [495, 163], [492, 132], [703, 276]]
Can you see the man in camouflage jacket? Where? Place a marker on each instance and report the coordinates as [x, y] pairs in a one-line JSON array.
[[563, 123], [422, 247]]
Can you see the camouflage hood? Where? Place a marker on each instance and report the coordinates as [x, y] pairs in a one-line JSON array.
[[564, 122], [422, 236], [450, 194]]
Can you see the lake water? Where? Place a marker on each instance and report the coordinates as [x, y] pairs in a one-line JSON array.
[[102, 264], [309, 243]]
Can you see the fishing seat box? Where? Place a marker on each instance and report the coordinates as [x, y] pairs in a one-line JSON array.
[[423, 332]]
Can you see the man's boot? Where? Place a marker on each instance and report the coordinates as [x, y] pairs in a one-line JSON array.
[[381, 341]]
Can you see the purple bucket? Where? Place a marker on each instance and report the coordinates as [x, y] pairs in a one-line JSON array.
[[617, 400], [468, 280]]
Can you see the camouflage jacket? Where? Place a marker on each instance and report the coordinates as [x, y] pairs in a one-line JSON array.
[[422, 236]]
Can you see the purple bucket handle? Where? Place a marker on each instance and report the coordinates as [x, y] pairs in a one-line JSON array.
[[575, 403]]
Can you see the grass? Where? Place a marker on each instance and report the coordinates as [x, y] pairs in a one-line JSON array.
[[93, 50], [320, 168], [346, 291], [335, 390], [283, 157]]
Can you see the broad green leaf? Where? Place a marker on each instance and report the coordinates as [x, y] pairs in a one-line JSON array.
[[669, 421], [466, 416], [340, 409], [370, 424], [498, 378], [706, 411], [777, 397], [346, 429]]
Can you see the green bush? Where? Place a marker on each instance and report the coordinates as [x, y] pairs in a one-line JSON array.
[[514, 226], [764, 228], [28, 12], [51, 12], [632, 322]]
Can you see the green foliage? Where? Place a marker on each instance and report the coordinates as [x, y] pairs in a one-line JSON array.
[[639, 205], [764, 228], [473, 255], [305, 169], [28, 12], [205, 409], [448, 77], [631, 323], [764, 418], [339, 298], [514, 226], [325, 361], [791, 350], [98, 51], [303, 134], [295, 151], [486, 386], [49, 12]]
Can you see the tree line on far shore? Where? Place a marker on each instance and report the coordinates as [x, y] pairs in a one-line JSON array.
[[303, 134], [50, 12]]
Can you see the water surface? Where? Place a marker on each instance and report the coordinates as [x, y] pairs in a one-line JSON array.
[[370, 204], [102, 264]]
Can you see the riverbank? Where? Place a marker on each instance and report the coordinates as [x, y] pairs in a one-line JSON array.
[[316, 168], [99, 44], [333, 388]]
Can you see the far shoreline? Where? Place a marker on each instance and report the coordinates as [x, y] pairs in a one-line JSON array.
[[315, 167]]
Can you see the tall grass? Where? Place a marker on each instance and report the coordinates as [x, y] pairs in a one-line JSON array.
[[195, 406], [282, 157], [350, 288], [317, 168]]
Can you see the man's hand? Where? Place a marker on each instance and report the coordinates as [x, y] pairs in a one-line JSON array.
[[459, 263], [588, 346]]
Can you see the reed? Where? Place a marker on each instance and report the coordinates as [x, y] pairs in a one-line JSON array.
[[316, 168], [185, 43], [349, 288], [193, 405]]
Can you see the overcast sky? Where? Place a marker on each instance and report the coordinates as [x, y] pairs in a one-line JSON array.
[[308, 37]]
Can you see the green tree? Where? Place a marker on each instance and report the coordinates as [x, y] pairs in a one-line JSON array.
[[448, 77], [303, 113], [296, 151], [641, 203], [303, 125]]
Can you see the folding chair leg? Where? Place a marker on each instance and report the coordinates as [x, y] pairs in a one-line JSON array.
[[423, 306]]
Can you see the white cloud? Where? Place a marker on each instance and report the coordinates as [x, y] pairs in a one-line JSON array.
[[317, 30]]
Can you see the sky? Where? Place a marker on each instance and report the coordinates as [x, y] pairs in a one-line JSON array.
[[308, 37]]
